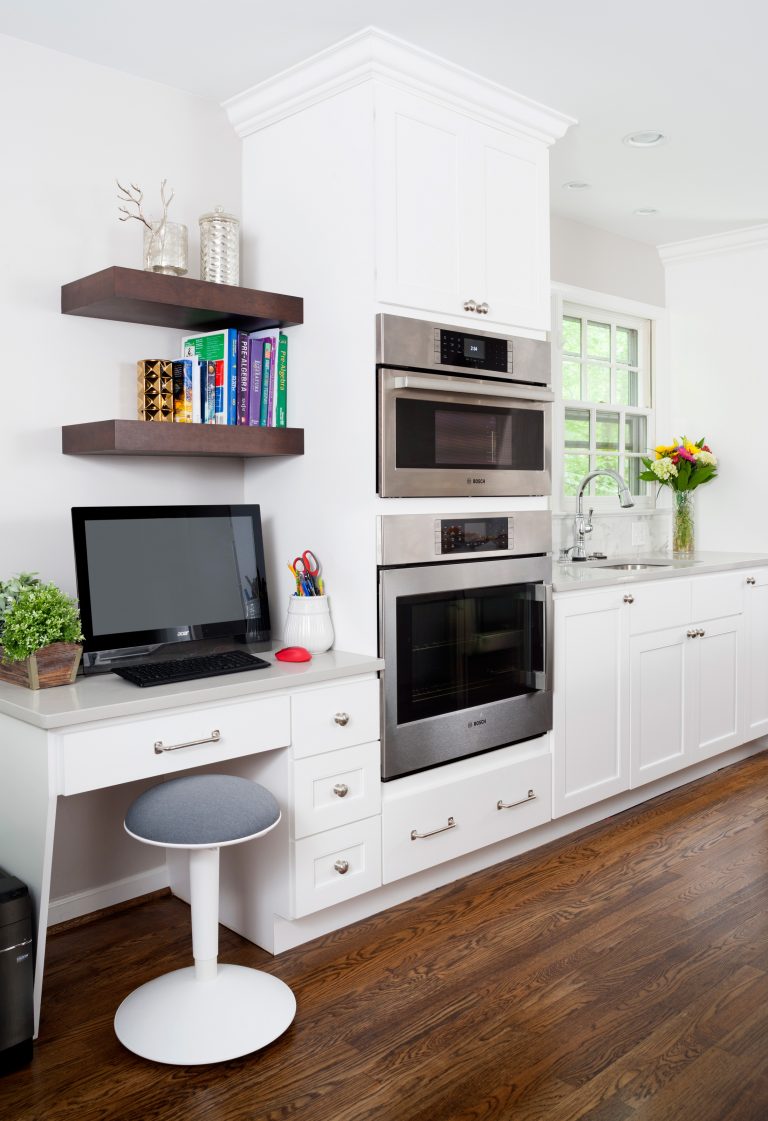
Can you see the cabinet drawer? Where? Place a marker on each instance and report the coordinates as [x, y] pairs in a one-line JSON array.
[[336, 788], [416, 819], [718, 595], [108, 754], [665, 603], [337, 716], [336, 865]]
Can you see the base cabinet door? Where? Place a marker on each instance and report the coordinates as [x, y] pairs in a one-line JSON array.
[[716, 687], [661, 703], [755, 683], [591, 735]]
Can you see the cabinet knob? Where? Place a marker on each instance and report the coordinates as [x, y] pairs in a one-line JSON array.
[[470, 305], [751, 580], [342, 867], [700, 632], [342, 719], [482, 309], [629, 599], [693, 633], [341, 790]]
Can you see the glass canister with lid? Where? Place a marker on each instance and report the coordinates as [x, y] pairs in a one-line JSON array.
[[219, 247]]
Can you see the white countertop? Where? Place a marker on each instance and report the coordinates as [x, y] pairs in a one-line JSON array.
[[106, 696], [582, 575]]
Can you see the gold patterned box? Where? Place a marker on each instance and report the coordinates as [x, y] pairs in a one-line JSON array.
[[154, 389]]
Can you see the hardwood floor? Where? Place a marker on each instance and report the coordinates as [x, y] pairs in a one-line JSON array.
[[617, 975]]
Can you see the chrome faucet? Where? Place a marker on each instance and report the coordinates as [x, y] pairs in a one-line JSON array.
[[582, 525]]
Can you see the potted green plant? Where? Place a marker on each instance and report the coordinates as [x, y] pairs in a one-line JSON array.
[[39, 633]]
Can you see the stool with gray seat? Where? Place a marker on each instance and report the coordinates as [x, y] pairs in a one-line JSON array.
[[207, 1012]]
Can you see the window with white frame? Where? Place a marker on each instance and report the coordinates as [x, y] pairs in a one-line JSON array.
[[605, 404]]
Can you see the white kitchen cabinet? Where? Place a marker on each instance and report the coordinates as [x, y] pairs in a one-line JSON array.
[[661, 703], [591, 739], [462, 214], [755, 693]]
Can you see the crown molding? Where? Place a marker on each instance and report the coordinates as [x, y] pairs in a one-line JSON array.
[[750, 237], [371, 55]]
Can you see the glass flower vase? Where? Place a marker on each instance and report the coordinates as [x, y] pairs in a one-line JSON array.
[[683, 522], [165, 248]]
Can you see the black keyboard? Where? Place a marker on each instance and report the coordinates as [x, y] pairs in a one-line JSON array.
[[187, 669]]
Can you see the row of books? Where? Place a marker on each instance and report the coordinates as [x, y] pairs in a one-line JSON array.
[[224, 377]]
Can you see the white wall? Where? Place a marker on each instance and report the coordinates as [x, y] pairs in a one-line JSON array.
[[587, 257], [68, 129], [716, 301]]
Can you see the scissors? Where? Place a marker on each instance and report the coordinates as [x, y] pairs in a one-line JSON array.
[[307, 569]]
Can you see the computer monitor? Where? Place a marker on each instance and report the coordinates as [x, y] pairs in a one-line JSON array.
[[151, 577]]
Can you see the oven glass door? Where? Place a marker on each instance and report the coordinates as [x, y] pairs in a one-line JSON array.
[[465, 649], [434, 434]]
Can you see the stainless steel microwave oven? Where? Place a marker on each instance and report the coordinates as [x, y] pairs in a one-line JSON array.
[[461, 413]]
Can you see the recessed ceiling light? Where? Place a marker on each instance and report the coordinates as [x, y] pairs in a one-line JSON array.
[[646, 210], [576, 185], [646, 139]]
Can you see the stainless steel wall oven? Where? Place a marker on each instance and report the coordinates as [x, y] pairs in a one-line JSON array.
[[465, 626], [461, 413]]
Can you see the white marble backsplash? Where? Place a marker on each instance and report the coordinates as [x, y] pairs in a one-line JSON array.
[[621, 533]]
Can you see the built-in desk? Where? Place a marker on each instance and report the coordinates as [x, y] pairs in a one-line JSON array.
[[306, 730]]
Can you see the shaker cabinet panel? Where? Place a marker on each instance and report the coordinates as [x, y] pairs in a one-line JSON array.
[[755, 697], [660, 703], [462, 214]]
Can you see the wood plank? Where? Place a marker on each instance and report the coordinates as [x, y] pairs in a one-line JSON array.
[[141, 437], [136, 296]]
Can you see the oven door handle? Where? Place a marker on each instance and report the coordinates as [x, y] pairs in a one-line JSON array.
[[455, 385], [543, 594]]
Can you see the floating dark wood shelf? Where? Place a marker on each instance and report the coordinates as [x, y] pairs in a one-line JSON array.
[[141, 437], [135, 296]]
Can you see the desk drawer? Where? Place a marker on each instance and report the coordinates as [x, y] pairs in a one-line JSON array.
[[107, 754], [336, 865], [336, 788], [336, 716], [468, 795]]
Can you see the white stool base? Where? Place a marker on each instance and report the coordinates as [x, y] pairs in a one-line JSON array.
[[178, 1019]]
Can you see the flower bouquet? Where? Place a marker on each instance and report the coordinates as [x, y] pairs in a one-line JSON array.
[[682, 466]]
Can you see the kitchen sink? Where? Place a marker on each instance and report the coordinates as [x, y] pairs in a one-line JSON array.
[[638, 566]]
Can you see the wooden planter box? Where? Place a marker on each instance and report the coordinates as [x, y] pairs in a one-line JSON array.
[[56, 664]]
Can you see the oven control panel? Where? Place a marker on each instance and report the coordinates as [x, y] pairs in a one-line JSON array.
[[474, 352], [474, 535]]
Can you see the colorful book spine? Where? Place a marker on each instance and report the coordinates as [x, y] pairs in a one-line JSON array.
[[154, 389], [281, 394], [186, 390], [207, 391], [218, 346], [243, 376], [272, 396], [256, 355], [266, 374], [220, 390]]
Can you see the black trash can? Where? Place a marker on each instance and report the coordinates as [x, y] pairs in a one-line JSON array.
[[16, 973]]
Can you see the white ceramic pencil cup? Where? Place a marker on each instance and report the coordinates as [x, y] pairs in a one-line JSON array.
[[309, 623]]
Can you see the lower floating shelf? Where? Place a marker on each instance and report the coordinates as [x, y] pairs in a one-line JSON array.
[[141, 437]]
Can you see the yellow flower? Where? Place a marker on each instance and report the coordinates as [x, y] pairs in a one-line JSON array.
[[662, 450], [694, 449]]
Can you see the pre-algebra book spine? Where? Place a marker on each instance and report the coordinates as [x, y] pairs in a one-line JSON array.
[[243, 376], [281, 393], [231, 376]]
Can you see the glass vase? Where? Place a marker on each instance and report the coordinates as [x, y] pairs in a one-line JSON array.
[[683, 522], [165, 248]]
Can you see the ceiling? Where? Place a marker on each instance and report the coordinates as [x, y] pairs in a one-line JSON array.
[[691, 69]]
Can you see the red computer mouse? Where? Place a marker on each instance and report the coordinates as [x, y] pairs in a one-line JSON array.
[[293, 654]]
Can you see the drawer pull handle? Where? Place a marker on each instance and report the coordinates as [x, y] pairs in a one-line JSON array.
[[342, 719], [508, 805], [342, 867], [341, 790], [629, 599], [416, 836], [214, 737]]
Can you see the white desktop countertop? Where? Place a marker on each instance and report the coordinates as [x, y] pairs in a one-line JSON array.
[[105, 696], [583, 575]]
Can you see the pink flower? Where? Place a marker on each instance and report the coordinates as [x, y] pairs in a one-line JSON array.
[[683, 454]]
